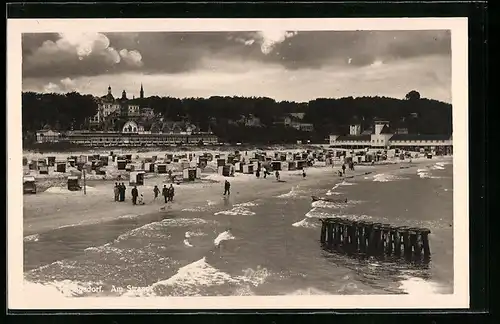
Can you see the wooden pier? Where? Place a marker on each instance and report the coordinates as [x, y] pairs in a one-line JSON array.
[[375, 239]]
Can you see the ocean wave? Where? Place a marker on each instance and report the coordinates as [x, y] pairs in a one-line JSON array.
[[31, 238], [314, 213], [327, 204], [426, 175], [385, 177], [190, 234], [294, 192], [236, 211], [192, 279], [308, 292], [332, 193], [194, 209], [63, 288], [247, 204], [306, 223], [128, 216], [224, 236], [419, 286], [345, 183]]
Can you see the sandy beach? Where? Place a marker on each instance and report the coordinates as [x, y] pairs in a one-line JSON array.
[[57, 207]]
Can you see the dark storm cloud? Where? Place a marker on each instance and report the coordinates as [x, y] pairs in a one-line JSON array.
[[52, 55]]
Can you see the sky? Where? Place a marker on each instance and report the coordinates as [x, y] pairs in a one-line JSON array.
[[283, 65]]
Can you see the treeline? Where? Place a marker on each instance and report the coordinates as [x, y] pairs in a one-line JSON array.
[[424, 116]]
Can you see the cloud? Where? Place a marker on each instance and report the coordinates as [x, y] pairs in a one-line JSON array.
[[77, 53], [181, 62], [430, 75], [133, 58]]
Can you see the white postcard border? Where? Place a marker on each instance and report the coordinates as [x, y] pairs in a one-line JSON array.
[[17, 299]]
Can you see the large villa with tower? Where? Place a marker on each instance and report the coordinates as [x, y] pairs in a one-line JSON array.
[[128, 122], [382, 137]]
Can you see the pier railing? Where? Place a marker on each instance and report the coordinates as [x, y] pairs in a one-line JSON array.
[[375, 239]]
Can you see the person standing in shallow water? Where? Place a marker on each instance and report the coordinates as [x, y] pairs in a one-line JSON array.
[[343, 169], [227, 187], [165, 192], [156, 191]]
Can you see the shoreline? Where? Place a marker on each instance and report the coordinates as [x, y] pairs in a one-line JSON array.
[[49, 211]]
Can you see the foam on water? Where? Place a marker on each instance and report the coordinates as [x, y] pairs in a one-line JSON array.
[[327, 204], [419, 286], [128, 216], [189, 281], [345, 183], [294, 192], [308, 292], [314, 213], [31, 238], [194, 209], [247, 204], [224, 236], [211, 202], [306, 223], [61, 289], [190, 234], [186, 243], [332, 193], [236, 211], [385, 177]]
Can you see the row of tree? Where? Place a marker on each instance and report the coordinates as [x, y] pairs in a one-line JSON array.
[[425, 116]]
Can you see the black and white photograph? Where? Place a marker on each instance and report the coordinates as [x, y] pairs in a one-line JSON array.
[[267, 162]]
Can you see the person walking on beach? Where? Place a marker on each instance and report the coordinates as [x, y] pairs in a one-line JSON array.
[[156, 191], [141, 200], [227, 187], [277, 175], [257, 173], [265, 173], [171, 193], [165, 193], [170, 175], [343, 169], [303, 173], [116, 191], [135, 194]]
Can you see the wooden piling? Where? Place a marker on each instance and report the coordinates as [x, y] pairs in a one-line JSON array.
[[425, 242], [360, 236], [351, 235], [385, 238], [376, 239], [338, 233], [367, 236], [413, 242], [330, 234], [397, 241], [417, 246], [323, 231], [404, 230], [391, 240]]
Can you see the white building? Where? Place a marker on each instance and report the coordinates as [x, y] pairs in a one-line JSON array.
[[47, 136], [383, 137]]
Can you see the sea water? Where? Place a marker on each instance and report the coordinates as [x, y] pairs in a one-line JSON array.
[[268, 246]]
